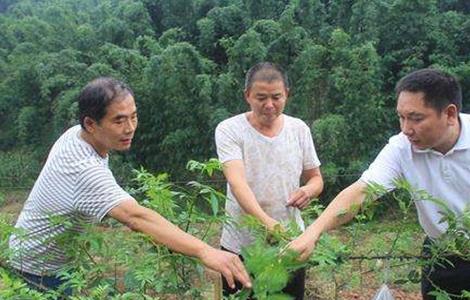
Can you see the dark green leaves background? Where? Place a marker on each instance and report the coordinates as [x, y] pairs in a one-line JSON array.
[[186, 59]]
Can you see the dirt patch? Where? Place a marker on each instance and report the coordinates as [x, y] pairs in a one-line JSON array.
[[12, 203], [13, 208], [367, 294]]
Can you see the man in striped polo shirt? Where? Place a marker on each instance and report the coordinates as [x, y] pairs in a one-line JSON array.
[[76, 184]]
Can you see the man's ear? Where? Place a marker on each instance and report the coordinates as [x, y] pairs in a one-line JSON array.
[[246, 93], [452, 114], [90, 124]]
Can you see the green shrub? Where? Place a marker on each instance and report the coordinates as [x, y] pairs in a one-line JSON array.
[[18, 169]]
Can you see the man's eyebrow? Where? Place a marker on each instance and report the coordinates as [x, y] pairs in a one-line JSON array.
[[411, 114], [414, 113], [120, 117], [266, 93]]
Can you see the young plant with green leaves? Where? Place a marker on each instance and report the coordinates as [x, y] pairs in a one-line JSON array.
[[111, 262]]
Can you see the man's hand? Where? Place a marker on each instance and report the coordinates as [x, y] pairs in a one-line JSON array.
[[300, 198], [272, 224], [226, 263], [313, 186], [304, 245]]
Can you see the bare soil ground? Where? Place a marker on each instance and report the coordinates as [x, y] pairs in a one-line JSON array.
[[368, 294]]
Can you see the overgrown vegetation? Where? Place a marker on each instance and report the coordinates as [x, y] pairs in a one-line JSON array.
[[114, 263]]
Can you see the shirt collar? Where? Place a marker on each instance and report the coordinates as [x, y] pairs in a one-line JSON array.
[[464, 138]]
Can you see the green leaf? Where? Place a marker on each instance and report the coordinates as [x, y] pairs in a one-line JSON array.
[[280, 297], [214, 204], [440, 295]]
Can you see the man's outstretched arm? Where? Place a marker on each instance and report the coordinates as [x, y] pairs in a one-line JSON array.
[[338, 212], [149, 222]]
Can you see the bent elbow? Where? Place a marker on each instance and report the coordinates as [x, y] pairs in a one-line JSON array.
[[133, 223], [128, 213]]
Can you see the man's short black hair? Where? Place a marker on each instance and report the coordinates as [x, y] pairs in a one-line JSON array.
[[97, 95], [265, 71], [440, 89]]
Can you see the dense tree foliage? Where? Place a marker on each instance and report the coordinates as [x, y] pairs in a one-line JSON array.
[[186, 59]]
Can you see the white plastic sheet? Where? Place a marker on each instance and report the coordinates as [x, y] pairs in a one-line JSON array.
[[383, 294]]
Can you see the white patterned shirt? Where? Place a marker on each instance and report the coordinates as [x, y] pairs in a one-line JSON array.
[[273, 169]]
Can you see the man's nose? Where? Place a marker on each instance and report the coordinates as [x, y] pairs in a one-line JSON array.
[[269, 103], [130, 126], [406, 127]]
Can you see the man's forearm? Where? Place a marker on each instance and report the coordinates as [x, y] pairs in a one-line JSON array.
[[164, 232], [247, 201], [161, 231], [234, 172], [314, 186], [341, 210]]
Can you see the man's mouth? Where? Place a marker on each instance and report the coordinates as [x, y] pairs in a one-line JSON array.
[[270, 113], [126, 141], [416, 143]]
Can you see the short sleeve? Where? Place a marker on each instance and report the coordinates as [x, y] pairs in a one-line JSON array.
[[228, 143], [97, 192], [385, 169], [310, 157]]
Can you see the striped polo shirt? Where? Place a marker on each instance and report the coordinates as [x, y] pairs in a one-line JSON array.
[[75, 187]]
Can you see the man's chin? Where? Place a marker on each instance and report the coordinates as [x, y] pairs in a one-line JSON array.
[[123, 148], [419, 146], [271, 117], [415, 143]]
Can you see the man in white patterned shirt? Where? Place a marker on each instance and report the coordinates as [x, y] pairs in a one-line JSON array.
[[265, 155], [76, 183]]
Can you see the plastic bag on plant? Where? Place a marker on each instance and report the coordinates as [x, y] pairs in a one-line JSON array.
[[383, 294]]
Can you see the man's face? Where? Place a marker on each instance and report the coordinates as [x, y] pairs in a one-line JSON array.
[[267, 100], [116, 129], [424, 126]]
